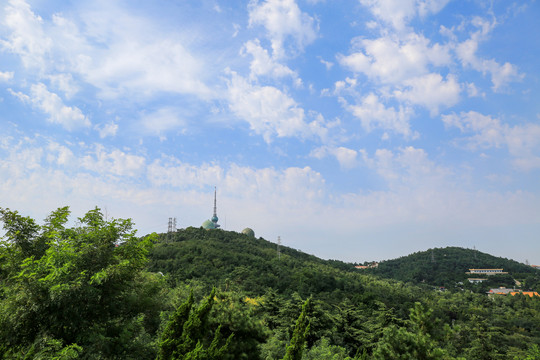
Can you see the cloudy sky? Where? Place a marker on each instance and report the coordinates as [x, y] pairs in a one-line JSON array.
[[354, 129]]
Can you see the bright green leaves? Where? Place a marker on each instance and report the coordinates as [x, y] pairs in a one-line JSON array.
[[20, 231], [78, 288]]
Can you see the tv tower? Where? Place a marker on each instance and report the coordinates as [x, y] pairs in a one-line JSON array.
[[214, 216]]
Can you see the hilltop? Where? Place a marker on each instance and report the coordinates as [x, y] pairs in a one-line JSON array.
[[232, 260], [448, 266]]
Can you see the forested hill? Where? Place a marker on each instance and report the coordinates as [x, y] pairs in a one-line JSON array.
[[97, 291], [448, 266], [233, 260]]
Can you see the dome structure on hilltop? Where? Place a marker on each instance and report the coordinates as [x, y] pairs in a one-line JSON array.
[[249, 232], [208, 225], [212, 224]]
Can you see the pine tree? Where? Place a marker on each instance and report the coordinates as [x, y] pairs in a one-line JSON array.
[[301, 331], [185, 335]]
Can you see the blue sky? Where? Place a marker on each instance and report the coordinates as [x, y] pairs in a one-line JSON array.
[[355, 130]]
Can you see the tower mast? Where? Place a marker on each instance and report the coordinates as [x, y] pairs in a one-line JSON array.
[[214, 217], [215, 206]]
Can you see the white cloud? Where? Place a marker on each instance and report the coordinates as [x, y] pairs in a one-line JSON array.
[[170, 171], [522, 141], [392, 60], [109, 129], [489, 131], [111, 50], [501, 75], [70, 118], [6, 76], [431, 91], [283, 20], [269, 111], [347, 158], [399, 12], [409, 167], [264, 65], [27, 39], [131, 66], [64, 83], [327, 64], [161, 121], [59, 154], [114, 162], [373, 114]]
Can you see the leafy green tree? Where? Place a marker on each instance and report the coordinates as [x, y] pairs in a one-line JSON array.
[[77, 290]]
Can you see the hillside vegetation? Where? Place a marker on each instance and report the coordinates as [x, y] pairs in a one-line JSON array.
[[447, 267], [97, 291]]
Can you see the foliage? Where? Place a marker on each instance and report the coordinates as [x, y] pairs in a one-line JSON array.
[[301, 330], [185, 336], [76, 290], [95, 290], [447, 267]]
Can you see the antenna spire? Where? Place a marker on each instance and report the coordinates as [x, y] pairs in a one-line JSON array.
[[215, 206], [214, 217]]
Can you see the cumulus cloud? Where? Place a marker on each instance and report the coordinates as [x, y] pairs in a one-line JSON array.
[[522, 141], [6, 76], [398, 13], [501, 74], [64, 83], [131, 67], [263, 64], [431, 91], [392, 60], [289, 29], [59, 154], [105, 130], [347, 158], [27, 38], [269, 111], [115, 162], [408, 167], [70, 118], [116, 53], [162, 120], [373, 114]]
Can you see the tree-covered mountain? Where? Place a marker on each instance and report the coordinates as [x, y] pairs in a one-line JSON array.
[[233, 260], [447, 267], [96, 291]]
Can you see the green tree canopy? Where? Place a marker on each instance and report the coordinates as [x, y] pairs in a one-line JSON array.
[[81, 288]]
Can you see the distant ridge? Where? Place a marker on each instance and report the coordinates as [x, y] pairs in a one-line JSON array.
[[447, 266]]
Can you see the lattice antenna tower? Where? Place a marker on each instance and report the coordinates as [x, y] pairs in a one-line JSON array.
[[171, 227], [279, 247], [432, 256]]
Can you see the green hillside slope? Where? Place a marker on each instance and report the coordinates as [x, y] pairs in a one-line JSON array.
[[448, 266], [235, 261], [372, 311]]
